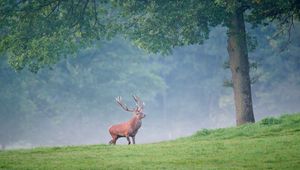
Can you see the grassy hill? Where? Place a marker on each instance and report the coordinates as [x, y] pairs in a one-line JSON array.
[[273, 143]]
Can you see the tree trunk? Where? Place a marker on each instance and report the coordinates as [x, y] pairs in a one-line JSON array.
[[239, 66]]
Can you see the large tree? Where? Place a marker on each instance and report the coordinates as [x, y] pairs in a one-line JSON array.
[[159, 26], [37, 33]]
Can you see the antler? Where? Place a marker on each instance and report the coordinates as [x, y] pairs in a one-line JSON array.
[[124, 106], [140, 104]]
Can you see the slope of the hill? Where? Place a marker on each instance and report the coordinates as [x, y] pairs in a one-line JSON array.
[[273, 143]]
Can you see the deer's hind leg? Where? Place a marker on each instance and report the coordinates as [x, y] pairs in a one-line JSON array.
[[114, 139]]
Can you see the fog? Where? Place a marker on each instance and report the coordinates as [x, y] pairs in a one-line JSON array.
[[73, 102]]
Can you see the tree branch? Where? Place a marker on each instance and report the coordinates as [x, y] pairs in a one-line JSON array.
[[54, 8], [95, 13], [81, 15]]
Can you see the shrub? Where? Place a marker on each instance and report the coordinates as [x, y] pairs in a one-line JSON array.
[[203, 132], [270, 121]]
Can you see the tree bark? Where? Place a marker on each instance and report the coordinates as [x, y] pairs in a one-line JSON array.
[[239, 66]]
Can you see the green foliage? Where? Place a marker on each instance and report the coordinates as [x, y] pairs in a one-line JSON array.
[[36, 34], [159, 26], [79, 92], [253, 147], [270, 121], [264, 11], [203, 132]]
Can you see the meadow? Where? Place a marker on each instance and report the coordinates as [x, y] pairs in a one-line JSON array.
[[272, 143]]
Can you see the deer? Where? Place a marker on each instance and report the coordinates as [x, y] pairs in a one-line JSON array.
[[130, 128]]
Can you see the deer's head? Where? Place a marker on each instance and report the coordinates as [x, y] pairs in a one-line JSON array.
[[137, 111]]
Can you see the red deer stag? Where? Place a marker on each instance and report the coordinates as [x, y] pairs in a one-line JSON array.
[[131, 127]]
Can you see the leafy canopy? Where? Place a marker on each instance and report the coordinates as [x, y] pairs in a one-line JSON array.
[[35, 33]]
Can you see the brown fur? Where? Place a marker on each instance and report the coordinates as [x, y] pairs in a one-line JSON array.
[[129, 128], [126, 129]]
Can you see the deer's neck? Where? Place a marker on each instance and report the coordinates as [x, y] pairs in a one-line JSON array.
[[135, 121]]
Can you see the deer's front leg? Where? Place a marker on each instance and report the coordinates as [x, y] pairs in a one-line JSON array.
[[133, 139], [128, 139]]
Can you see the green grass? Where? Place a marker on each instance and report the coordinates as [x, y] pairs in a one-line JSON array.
[[273, 143]]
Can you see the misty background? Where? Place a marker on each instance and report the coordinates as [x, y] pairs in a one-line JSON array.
[[73, 103]]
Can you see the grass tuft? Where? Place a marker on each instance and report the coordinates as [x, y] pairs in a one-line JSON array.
[[270, 121]]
